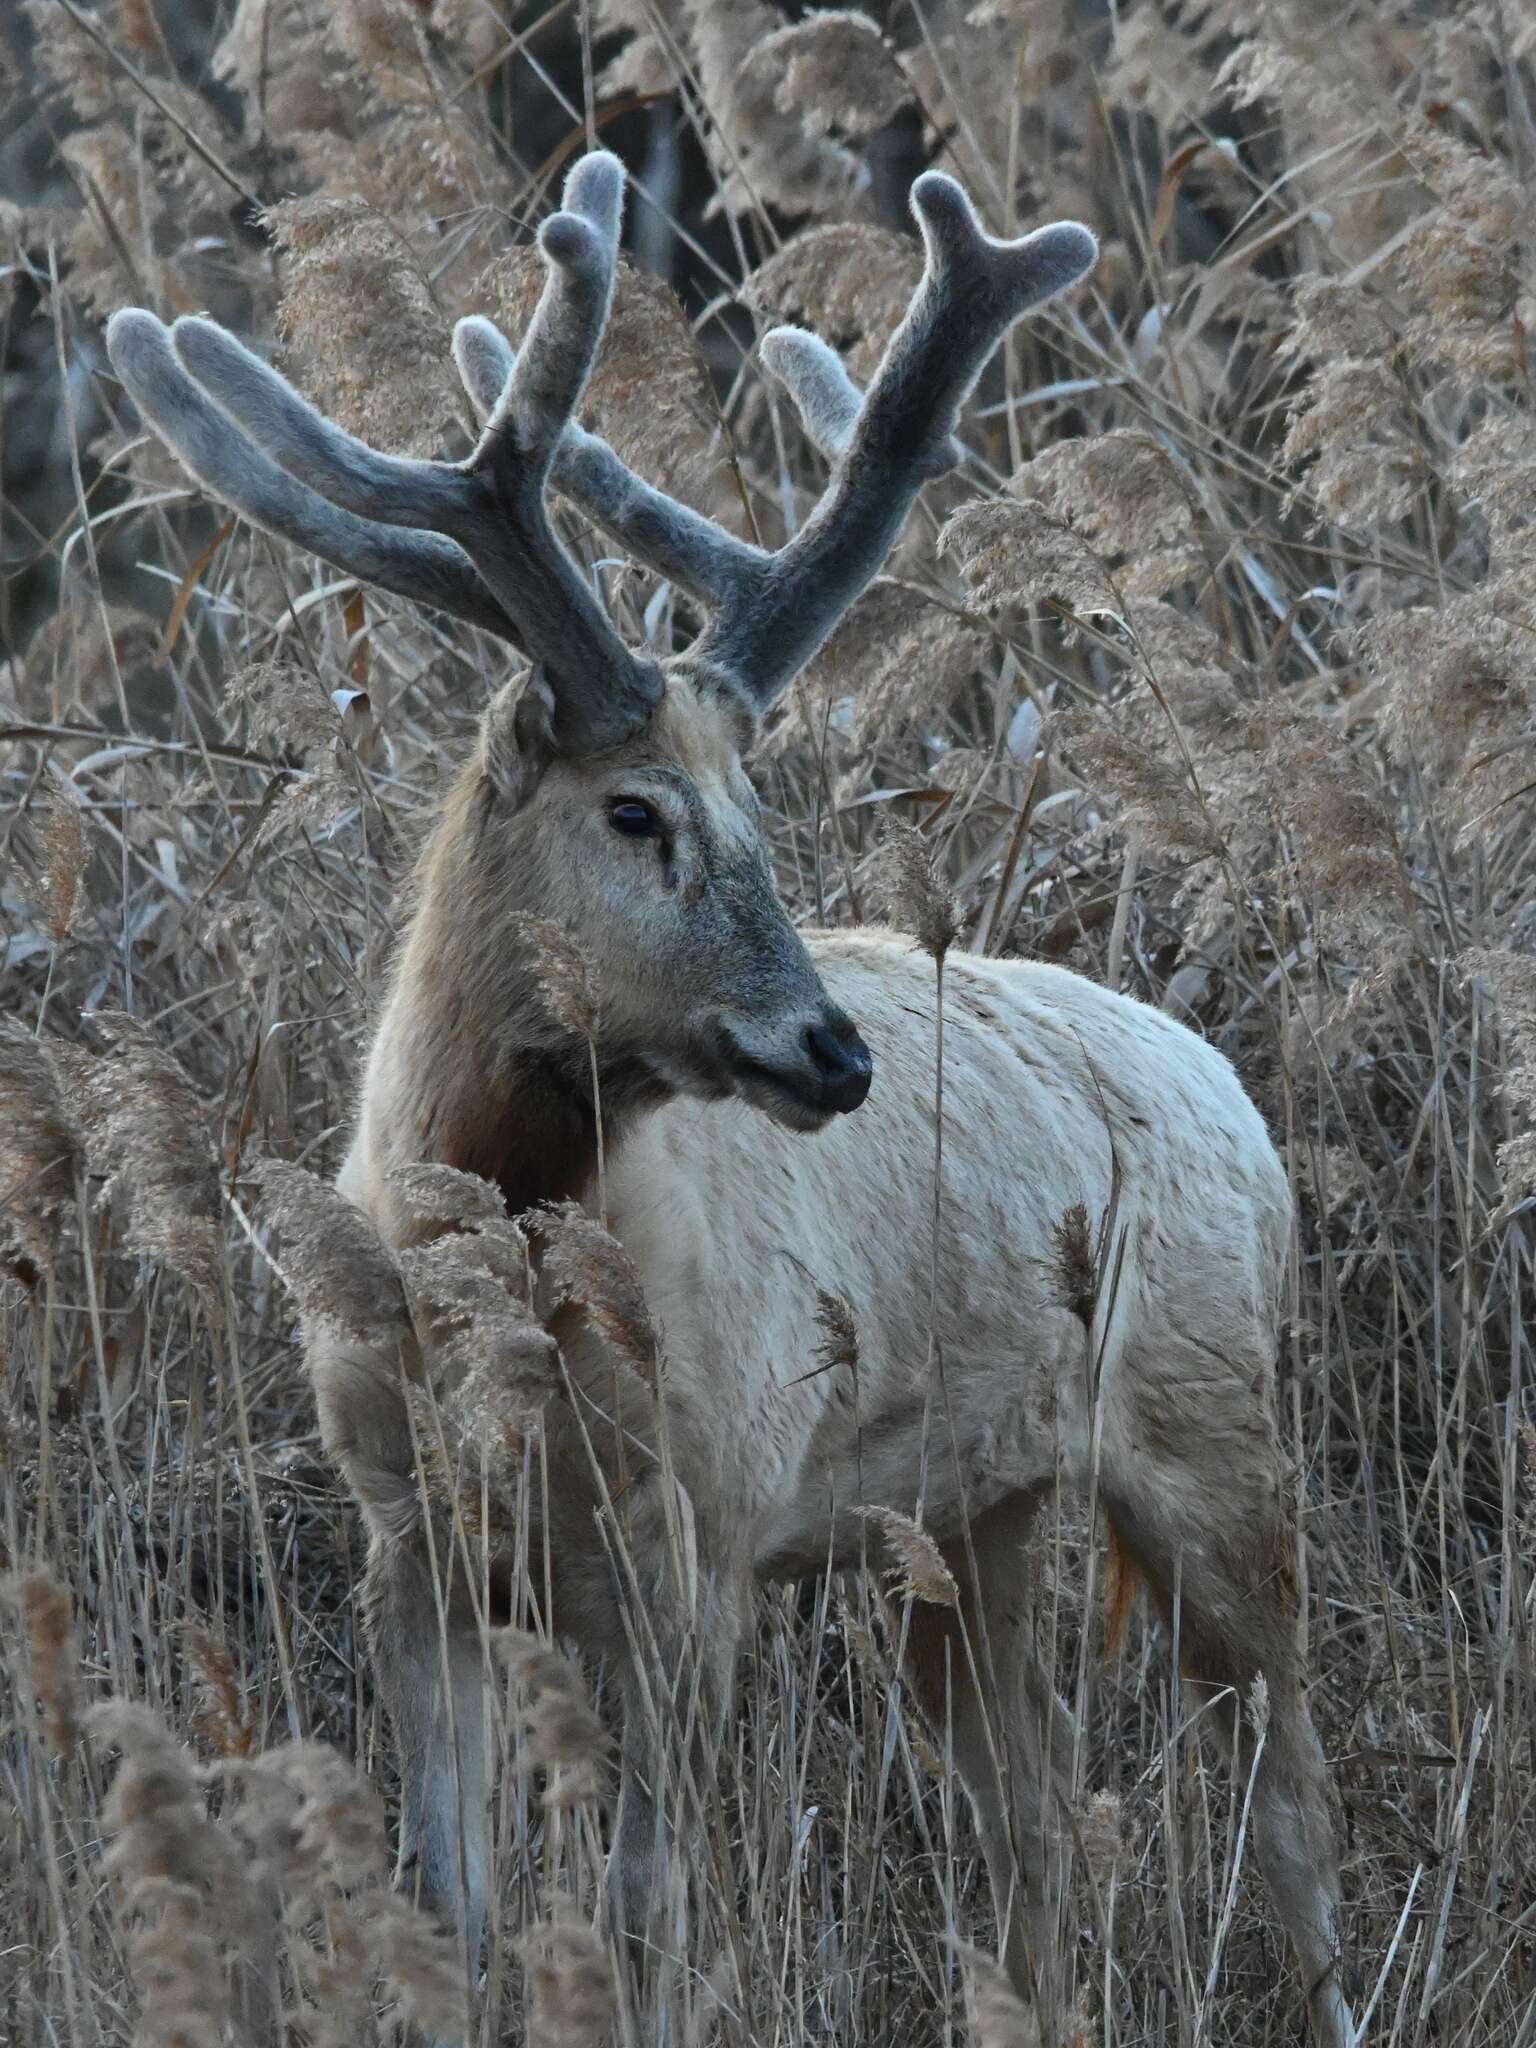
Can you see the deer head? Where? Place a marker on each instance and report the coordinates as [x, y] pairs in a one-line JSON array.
[[615, 782]]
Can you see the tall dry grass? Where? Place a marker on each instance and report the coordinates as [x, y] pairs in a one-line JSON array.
[[1212, 678]]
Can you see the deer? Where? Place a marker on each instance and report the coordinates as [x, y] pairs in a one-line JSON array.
[[766, 1099]]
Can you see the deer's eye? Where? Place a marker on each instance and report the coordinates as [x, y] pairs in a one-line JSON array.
[[636, 820]]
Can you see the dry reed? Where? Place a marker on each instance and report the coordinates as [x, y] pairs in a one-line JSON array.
[[1211, 671]]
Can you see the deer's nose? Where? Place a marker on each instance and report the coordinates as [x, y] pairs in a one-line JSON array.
[[843, 1066]]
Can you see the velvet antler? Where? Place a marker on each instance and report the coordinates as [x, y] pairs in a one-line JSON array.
[[474, 537]]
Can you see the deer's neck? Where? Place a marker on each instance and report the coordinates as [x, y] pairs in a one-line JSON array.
[[467, 1069]]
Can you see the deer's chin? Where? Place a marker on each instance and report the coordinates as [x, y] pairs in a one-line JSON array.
[[787, 1098], [780, 1099]]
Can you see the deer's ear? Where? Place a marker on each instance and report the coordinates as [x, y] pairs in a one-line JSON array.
[[517, 736]]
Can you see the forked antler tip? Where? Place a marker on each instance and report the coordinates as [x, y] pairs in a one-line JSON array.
[[595, 191], [204, 347], [1030, 270], [134, 339], [585, 232], [1067, 250], [570, 242]]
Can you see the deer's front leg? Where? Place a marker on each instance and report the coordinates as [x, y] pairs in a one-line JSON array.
[[431, 1674], [637, 1862]]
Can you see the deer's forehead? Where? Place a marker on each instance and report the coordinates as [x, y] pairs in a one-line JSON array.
[[687, 760], [692, 747], [698, 734]]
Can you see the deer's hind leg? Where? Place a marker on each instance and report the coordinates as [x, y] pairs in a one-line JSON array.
[[1201, 1512], [978, 1680]]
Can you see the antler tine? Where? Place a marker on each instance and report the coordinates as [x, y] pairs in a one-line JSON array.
[[669, 537], [421, 566], [484, 359], [580, 245], [391, 490], [972, 291], [826, 397]]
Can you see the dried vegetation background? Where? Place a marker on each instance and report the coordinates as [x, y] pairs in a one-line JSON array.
[[1213, 678]]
